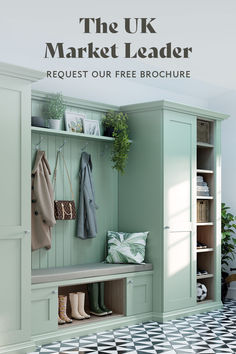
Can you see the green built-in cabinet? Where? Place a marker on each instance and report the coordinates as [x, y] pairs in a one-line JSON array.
[[158, 194], [15, 219]]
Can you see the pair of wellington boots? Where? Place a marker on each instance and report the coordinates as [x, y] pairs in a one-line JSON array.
[[62, 317], [96, 300], [77, 301]]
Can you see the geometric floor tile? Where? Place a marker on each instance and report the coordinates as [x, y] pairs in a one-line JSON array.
[[212, 332]]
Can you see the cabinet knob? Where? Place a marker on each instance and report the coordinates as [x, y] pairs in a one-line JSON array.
[[54, 292], [26, 232], [130, 282], [167, 227]]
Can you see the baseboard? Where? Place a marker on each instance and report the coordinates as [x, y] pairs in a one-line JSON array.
[[199, 308], [21, 348], [96, 327]]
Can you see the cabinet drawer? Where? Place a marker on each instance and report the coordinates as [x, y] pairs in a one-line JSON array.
[[139, 295], [44, 310]]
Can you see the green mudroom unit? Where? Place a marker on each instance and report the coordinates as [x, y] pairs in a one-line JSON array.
[[169, 195]]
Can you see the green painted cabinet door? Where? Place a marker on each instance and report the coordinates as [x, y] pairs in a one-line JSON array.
[[139, 295], [44, 310], [179, 210], [14, 210]]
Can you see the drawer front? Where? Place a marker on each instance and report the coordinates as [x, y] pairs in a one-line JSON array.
[[44, 310], [139, 295]]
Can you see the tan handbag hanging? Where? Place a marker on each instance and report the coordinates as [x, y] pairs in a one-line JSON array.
[[63, 209]]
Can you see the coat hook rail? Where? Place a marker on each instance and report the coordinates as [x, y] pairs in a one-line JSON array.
[[38, 145], [60, 148], [84, 147]]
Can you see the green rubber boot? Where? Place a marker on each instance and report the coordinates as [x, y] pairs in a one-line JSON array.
[[101, 299], [93, 291]]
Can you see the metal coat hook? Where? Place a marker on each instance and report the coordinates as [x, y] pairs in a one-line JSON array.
[[38, 145], [60, 148], [84, 147]]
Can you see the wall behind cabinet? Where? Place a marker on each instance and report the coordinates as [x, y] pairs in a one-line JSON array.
[[66, 248]]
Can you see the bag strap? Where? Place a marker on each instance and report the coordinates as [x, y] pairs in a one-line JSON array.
[[55, 172]]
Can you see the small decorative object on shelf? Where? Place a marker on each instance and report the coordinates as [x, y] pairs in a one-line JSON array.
[[91, 127], [74, 122], [201, 292], [201, 245], [116, 125], [38, 122], [55, 111], [202, 187]]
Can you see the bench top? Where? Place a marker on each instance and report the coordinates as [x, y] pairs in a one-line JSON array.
[[85, 271]]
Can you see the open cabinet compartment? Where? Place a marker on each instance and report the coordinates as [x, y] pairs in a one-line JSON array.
[[114, 299], [209, 283], [206, 226], [205, 131]]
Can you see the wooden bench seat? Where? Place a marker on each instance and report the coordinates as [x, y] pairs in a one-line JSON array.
[[85, 271]]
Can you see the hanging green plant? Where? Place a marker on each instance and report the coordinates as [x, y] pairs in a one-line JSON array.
[[228, 245], [228, 242], [116, 125]]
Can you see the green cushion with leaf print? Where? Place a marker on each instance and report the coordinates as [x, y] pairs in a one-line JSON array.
[[126, 247]]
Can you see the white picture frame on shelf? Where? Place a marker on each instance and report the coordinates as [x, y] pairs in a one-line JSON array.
[[91, 127], [74, 122]]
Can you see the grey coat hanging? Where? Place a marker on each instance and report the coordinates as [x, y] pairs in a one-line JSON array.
[[87, 225]]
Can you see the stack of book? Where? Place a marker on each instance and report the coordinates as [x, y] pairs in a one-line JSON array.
[[202, 187]]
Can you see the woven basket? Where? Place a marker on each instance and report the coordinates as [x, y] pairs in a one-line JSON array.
[[203, 210], [203, 128]]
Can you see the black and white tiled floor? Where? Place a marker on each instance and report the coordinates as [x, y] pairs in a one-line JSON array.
[[213, 332]]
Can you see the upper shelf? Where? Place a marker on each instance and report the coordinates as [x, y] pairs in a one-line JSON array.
[[72, 135], [204, 145], [204, 171]]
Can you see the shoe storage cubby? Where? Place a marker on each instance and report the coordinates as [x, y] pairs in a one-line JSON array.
[[209, 283], [114, 299], [206, 205]]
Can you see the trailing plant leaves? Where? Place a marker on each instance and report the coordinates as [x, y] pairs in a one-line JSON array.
[[228, 243], [119, 122]]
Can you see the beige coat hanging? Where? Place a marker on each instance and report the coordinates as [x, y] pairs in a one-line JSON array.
[[42, 203]]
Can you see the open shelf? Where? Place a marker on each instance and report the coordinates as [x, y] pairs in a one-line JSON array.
[[205, 171], [113, 299], [72, 135], [205, 276], [204, 145], [206, 230], [204, 301], [202, 250], [90, 320], [204, 197]]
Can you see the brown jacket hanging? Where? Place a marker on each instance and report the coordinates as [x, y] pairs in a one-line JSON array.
[[42, 203]]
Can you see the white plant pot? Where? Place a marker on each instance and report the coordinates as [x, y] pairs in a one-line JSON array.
[[54, 124]]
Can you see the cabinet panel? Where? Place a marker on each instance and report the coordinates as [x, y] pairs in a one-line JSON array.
[[139, 295], [44, 310], [11, 164], [15, 211], [179, 210]]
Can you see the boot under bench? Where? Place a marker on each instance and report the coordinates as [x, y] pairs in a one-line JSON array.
[[128, 293]]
